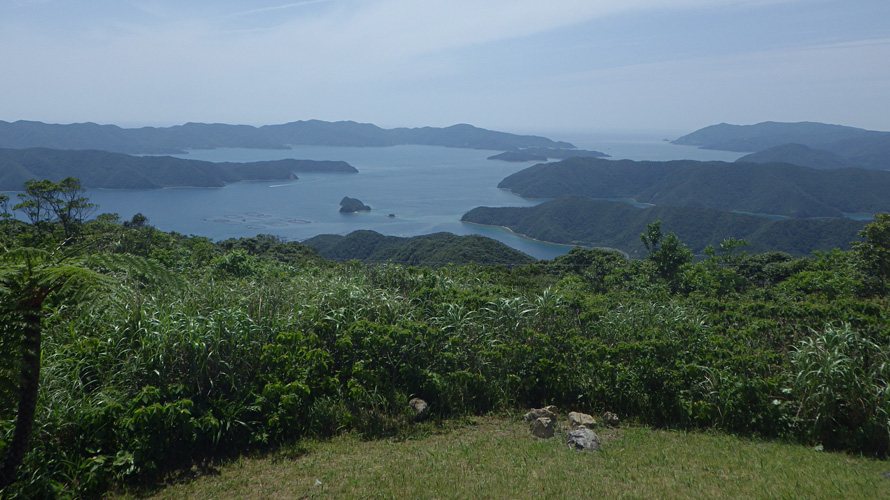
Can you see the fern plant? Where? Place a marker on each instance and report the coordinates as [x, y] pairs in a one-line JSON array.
[[29, 278]]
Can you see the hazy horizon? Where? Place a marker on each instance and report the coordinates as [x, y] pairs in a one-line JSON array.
[[521, 66]]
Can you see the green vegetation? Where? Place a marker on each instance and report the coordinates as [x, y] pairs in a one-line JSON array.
[[577, 220], [775, 189], [497, 458], [252, 344], [798, 154], [429, 250]]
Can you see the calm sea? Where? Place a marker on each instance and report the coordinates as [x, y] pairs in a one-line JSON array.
[[426, 189]]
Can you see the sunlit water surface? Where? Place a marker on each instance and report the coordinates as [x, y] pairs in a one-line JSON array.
[[412, 190]]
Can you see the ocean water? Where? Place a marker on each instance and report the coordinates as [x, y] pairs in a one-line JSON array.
[[412, 190]]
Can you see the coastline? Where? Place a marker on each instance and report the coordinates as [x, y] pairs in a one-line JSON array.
[[629, 201], [622, 252]]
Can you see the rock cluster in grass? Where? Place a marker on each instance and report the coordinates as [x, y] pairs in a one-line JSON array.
[[580, 436], [536, 413]]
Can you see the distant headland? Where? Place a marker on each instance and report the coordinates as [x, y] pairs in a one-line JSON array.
[[808, 144]]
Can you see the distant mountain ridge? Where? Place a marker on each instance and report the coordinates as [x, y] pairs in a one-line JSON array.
[[101, 169], [578, 220], [777, 188], [178, 139], [862, 148]]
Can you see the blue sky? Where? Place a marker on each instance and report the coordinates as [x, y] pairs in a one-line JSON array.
[[515, 65]]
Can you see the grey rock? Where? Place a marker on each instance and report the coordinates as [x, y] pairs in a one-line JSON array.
[[610, 419], [536, 413], [543, 428], [421, 409], [583, 439], [577, 419]]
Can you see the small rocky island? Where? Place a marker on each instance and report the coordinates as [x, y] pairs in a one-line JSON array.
[[351, 205]]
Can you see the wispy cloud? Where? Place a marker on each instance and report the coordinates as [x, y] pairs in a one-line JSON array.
[[277, 8]]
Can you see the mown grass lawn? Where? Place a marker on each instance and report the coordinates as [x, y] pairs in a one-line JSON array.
[[496, 457]]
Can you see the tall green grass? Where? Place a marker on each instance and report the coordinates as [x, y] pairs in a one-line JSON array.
[[162, 377]]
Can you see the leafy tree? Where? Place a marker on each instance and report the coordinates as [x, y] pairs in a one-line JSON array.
[[4, 207], [874, 253], [70, 206], [35, 204], [28, 278], [726, 248], [5, 216], [136, 221], [45, 201], [668, 254]]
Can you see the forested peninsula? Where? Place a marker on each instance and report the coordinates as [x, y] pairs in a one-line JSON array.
[[578, 220], [859, 147], [100, 169], [181, 138], [774, 189]]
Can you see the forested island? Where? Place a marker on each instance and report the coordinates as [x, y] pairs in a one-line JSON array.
[[352, 205], [181, 138], [101, 169], [544, 154]]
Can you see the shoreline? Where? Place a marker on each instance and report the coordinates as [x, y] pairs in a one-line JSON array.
[[617, 200], [622, 252]]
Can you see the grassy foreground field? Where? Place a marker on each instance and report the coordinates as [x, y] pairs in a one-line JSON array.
[[498, 458]]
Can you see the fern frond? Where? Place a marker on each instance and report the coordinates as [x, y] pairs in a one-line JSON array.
[[26, 255]]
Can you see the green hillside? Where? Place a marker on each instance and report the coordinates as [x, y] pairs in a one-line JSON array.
[[431, 250], [776, 189], [798, 154], [578, 220]]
